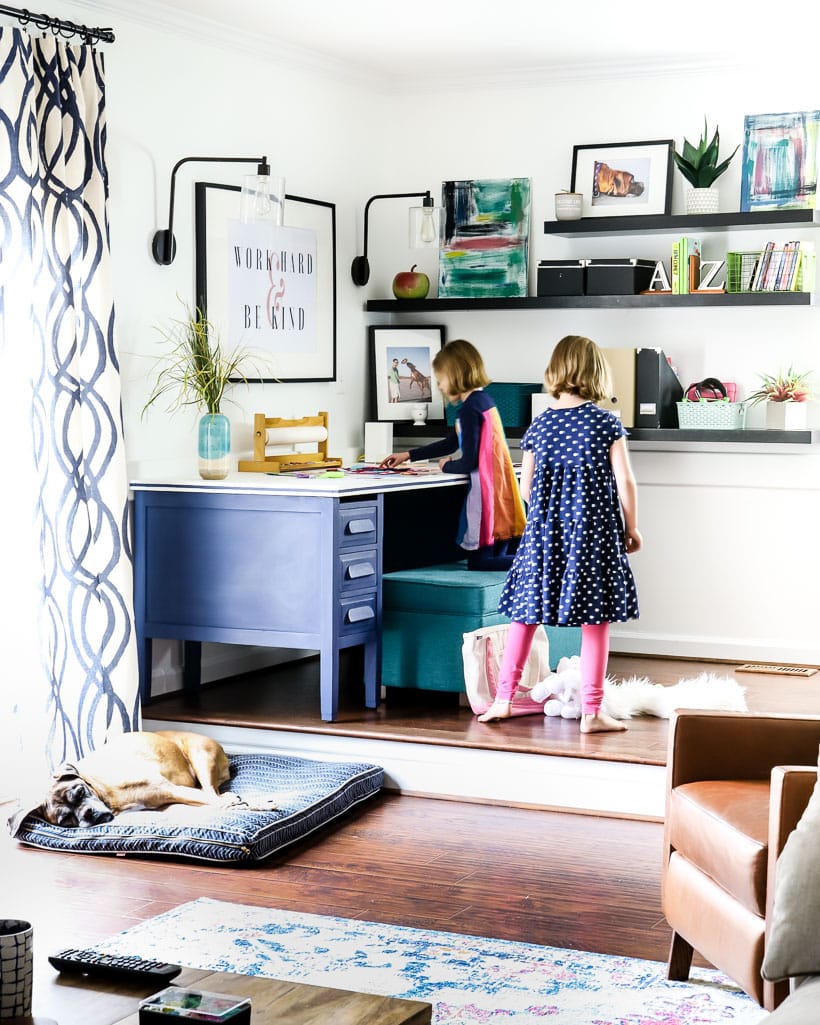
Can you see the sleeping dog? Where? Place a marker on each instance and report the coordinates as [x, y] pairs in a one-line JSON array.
[[139, 771]]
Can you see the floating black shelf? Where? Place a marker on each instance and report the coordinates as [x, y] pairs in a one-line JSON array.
[[650, 224], [755, 436], [603, 302]]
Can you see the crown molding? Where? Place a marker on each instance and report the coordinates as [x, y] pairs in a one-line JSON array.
[[156, 15]]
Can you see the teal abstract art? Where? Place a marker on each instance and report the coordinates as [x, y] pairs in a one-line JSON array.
[[486, 238], [779, 161]]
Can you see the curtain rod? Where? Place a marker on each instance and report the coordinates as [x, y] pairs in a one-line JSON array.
[[58, 26]]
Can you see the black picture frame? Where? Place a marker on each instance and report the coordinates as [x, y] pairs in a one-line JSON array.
[[417, 344], [214, 205], [649, 164]]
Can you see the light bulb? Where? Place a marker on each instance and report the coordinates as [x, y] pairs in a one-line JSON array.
[[262, 203], [427, 232]]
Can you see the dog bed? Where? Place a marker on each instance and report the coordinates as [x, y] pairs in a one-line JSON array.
[[308, 794]]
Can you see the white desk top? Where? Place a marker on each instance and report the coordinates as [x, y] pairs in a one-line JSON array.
[[354, 482]]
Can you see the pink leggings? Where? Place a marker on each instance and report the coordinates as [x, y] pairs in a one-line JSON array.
[[594, 656]]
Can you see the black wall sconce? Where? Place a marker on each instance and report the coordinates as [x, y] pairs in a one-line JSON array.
[[424, 227], [164, 246]]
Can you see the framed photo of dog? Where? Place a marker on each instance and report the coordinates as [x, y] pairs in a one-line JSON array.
[[401, 361], [624, 179]]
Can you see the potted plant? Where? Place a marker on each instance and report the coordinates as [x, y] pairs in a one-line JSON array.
[[699, 166], [196, 372], [785, 394]]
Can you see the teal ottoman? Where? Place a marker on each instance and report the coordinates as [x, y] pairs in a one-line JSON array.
[[426, 612]]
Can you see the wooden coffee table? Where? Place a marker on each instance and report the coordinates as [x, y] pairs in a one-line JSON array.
[[72, 1000]]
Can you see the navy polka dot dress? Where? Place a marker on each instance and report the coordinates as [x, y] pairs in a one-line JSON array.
[[571, 566]]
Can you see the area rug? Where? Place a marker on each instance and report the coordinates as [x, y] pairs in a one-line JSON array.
[[467, 979]]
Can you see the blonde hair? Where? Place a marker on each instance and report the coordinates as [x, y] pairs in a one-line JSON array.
[[578, 366], [460, 364]]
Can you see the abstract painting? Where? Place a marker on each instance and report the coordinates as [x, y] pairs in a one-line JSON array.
[[486, 238], [779, 161]]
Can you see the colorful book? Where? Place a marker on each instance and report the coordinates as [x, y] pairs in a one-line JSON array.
[[759, 275], [676, 267]]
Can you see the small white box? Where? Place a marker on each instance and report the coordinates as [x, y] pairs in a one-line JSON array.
[[378, 441]]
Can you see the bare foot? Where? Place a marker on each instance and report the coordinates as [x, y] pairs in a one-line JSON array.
[[497, 710], [600, 722]]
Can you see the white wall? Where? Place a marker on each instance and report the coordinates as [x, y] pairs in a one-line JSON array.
[[172, 94]]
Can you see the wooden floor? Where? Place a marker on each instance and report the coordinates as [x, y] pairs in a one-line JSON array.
[[567, 880], [287, 698]]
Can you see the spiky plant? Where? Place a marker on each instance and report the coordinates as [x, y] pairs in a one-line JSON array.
[[784, 386], [196, 370], [699, 165]]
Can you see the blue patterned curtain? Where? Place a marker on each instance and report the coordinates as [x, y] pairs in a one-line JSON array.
[[68, 673]]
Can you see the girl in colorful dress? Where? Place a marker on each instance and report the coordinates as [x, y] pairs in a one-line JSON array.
[[493, 513], [571, 567]]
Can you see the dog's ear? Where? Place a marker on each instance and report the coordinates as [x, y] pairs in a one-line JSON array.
[[65, 772]]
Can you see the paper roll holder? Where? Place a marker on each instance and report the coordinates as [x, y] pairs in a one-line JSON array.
[[289, 461]]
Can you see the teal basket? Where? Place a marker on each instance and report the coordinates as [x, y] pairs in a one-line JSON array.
[[514, 401], [711, 416]]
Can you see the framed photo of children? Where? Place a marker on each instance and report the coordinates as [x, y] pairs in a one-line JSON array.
[[624, 179], [401, 362]]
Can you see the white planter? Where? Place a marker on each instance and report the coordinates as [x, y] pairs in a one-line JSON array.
[[786, 416], [702, 201]]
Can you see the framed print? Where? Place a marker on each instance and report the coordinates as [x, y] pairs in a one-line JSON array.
[[779, 161], [308, 351], [624, 179], [401, 361]]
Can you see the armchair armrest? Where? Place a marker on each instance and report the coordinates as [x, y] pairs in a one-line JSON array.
[[735, 745]]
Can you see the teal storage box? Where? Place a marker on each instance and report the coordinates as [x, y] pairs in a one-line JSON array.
[[427, 611]]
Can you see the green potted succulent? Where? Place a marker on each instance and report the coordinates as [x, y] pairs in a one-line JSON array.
[[700, 167], [195, 372], [785, 394]]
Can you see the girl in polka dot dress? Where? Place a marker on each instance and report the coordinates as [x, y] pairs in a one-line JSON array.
[[571, 567]]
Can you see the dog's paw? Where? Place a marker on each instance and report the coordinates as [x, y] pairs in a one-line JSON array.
[[230, 800], [263, 804]]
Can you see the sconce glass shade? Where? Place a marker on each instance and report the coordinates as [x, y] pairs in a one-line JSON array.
[[262, 199], [425, 226]]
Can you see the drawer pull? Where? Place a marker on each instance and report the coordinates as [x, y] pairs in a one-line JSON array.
[[360, 614], [360, 526], [356, 570]]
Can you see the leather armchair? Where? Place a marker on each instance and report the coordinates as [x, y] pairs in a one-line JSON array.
[[727, 818]]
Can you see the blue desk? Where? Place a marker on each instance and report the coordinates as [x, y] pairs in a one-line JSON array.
[[282, 562]]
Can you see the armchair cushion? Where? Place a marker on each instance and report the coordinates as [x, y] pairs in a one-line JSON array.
[[722, 827], [793, 940]]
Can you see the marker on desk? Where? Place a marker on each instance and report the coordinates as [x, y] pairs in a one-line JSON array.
[[333, 473]]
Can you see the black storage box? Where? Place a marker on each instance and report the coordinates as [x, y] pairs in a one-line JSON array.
[[561, 277], [618, 277]]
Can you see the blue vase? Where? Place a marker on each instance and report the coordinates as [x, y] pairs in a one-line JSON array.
[[214, 446]]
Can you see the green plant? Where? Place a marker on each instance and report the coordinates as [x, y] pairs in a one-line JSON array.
[[699, 166], [196, 369], [784, 386]]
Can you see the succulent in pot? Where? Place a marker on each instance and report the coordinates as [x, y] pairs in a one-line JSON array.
[[699, 164], [784, 386]]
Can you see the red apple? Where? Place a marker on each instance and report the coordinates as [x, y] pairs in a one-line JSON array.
[[411, 284]]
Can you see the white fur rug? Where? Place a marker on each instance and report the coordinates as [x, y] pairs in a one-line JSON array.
[[639, 696]]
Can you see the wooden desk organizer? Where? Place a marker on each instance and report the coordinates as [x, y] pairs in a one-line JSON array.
[[316, 431]]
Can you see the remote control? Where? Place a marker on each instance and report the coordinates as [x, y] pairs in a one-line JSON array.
[[113, 966]]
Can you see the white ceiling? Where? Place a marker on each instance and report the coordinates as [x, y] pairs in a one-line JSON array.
[[471, 39]]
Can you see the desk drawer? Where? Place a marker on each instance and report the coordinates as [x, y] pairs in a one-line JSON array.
[[358, 615], [358, 524], [358, 570]]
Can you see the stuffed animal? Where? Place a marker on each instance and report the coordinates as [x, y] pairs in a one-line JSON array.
[[561, 694], [561, 690]]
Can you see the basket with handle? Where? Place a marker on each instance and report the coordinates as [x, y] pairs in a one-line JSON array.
[[712, 414]]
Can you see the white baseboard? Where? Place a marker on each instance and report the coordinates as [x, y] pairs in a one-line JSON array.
[[620, 789]]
